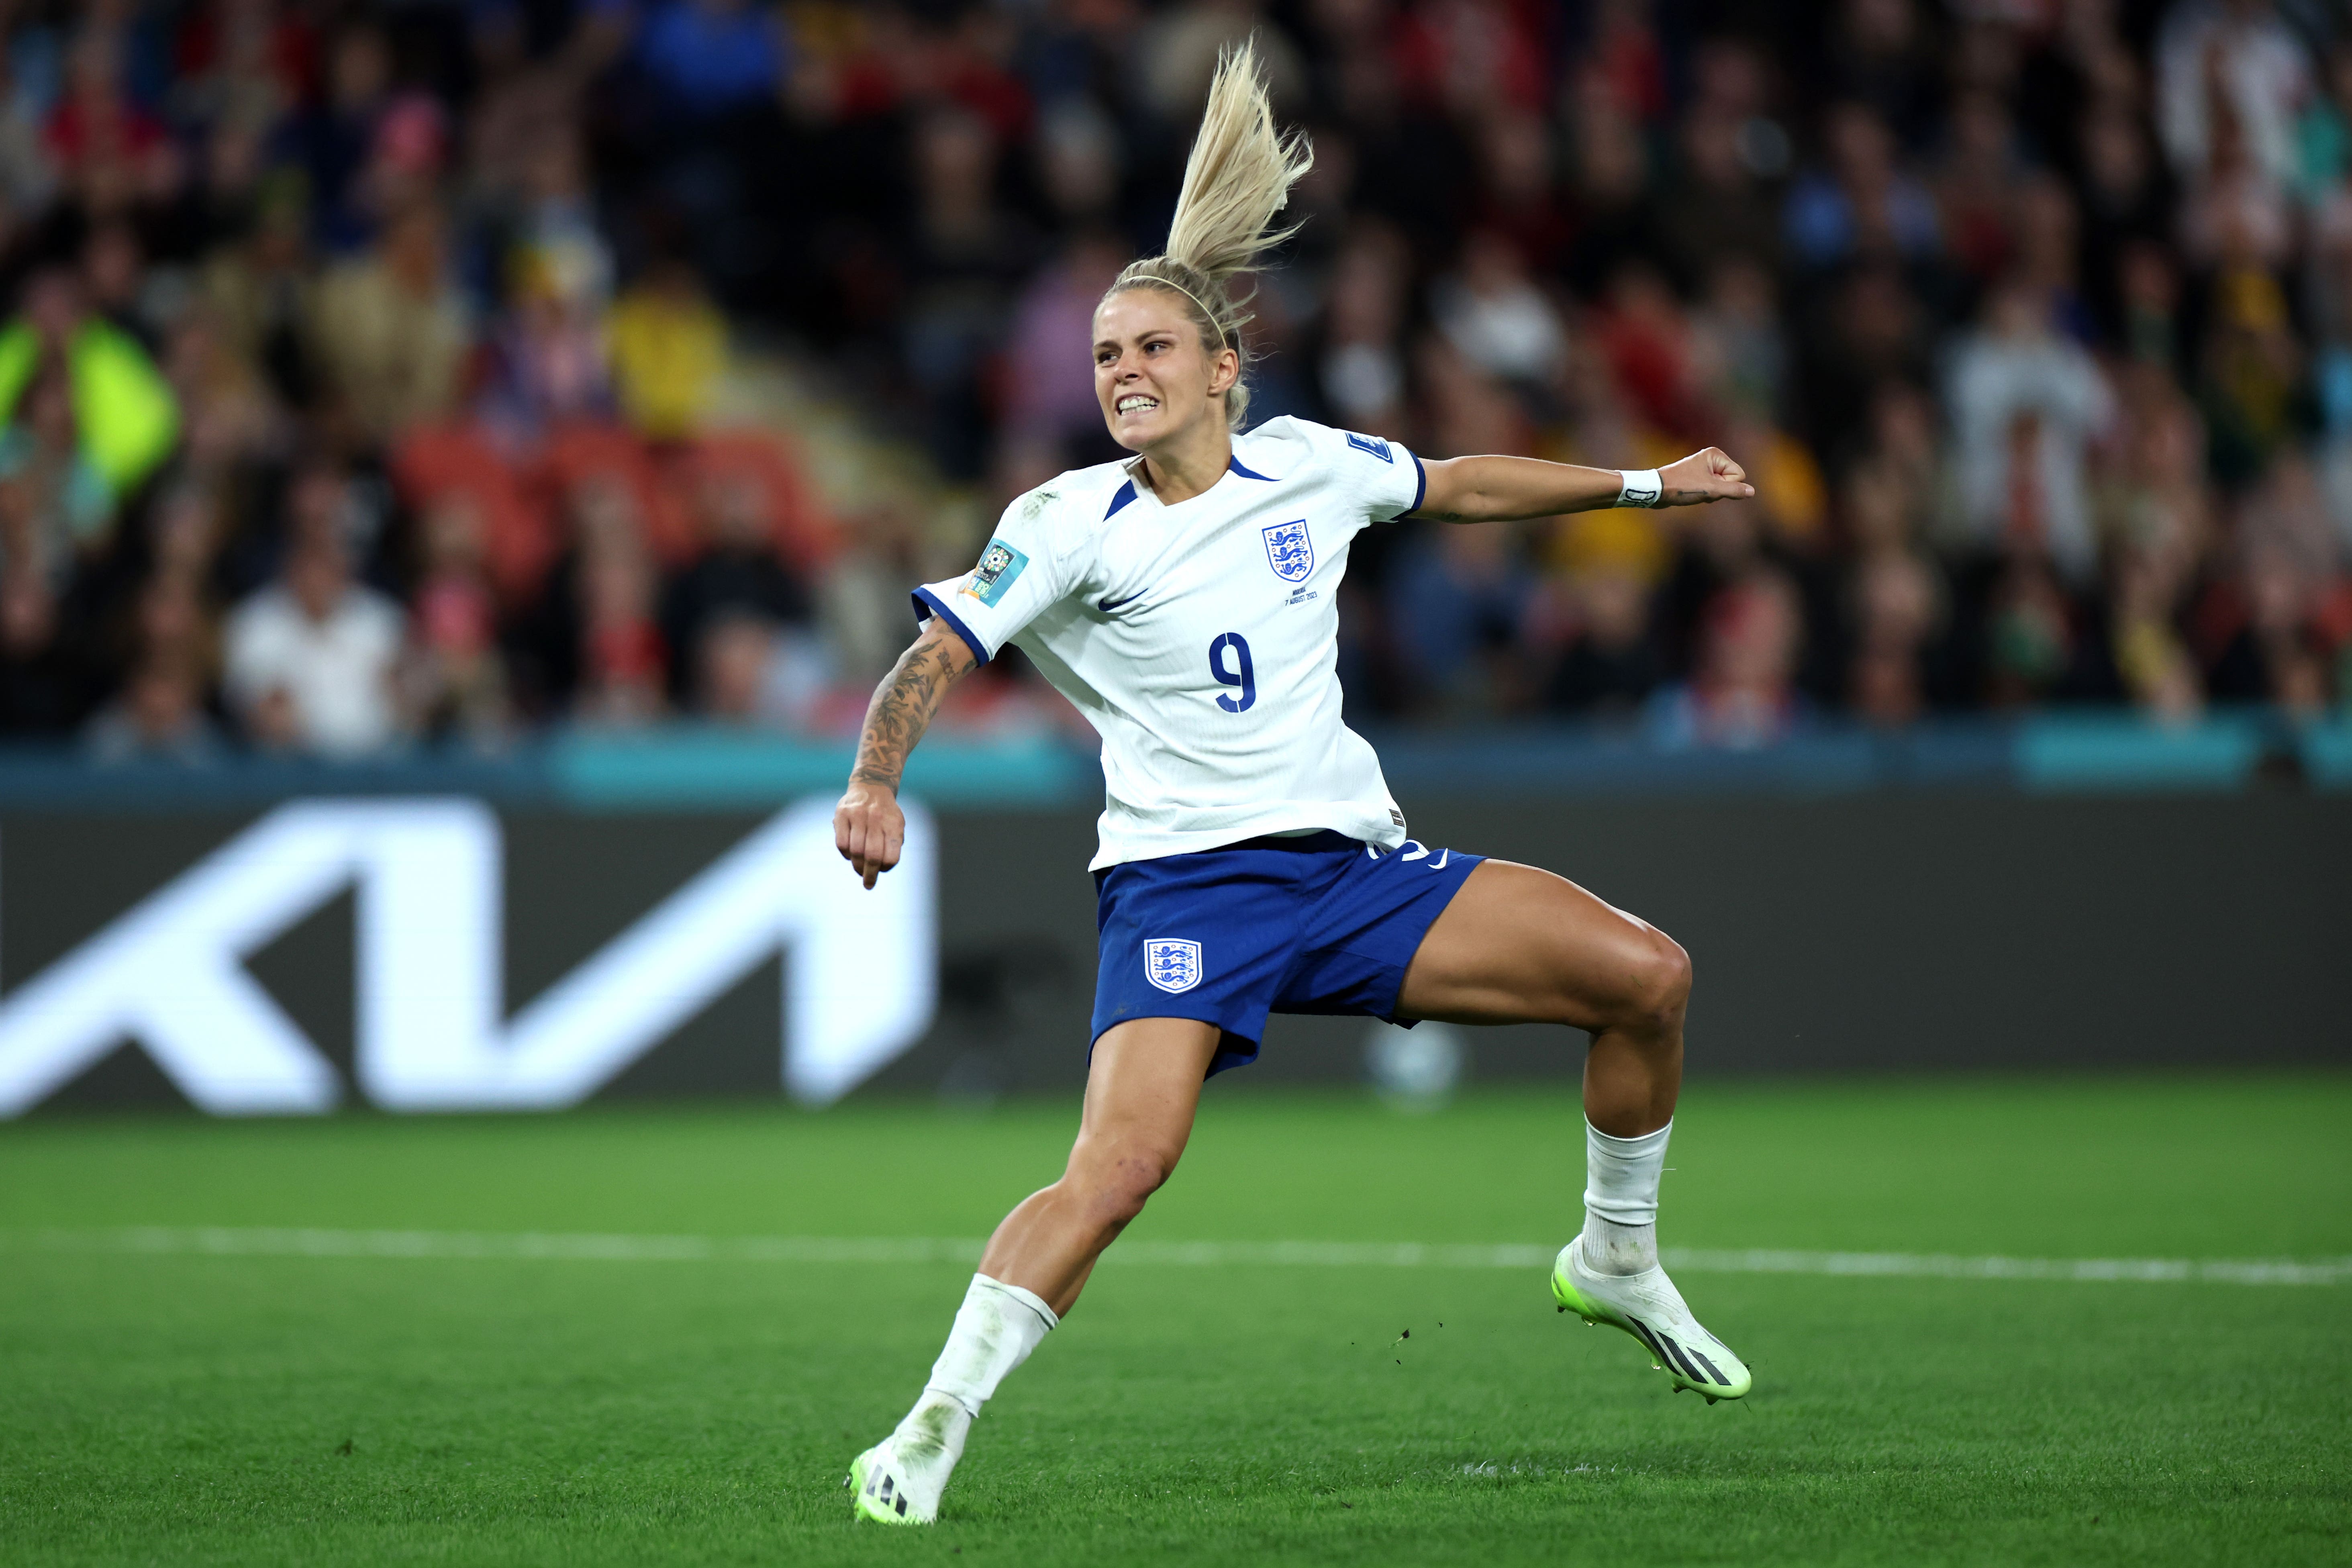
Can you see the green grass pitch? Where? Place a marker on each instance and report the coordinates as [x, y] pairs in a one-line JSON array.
[[179, 1408]]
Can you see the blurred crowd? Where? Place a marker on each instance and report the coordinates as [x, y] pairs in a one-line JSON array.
[[363, 367]]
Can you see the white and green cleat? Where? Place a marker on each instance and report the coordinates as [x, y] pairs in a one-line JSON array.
[[885, 1492], [1648, 1306], [899, 1479]]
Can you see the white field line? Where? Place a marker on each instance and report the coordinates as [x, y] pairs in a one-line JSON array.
[[572, 1247]]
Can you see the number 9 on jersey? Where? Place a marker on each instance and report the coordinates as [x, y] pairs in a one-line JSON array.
[[1240, 675]]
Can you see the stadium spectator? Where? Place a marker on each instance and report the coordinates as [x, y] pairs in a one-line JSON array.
[[1645, 335], [1720, 207], [389, 332], [2225, 71], [1743, 693], [732, 660], [1458, 607], [2035, 645], [669, 349], [1179, 52], [1359, 360], [751, 672], [1496, 317], [1518, 189], [1050, 395], [1609, 662], [1896, 602], [1977, 190], [965, 257], [709, 57], [110, 151], [546, 361], [863, 603], [158, 717], [113, 275], [624, 661], [1861, 201], [309, 660], [1611, 180], [68, 503], [738, 571], [1882, 55], [2026, 403], [453, 680], [589, 645], [329, 141], [86, 413], [2276, 622], [42, 678], [1740, 354]]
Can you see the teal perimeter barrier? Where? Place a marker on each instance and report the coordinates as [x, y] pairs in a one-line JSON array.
[[706, 767]]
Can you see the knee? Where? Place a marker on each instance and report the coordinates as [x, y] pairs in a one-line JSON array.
[[1114, 1188], [1658, 980]]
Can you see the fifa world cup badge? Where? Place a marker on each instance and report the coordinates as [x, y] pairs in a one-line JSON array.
[[999, 566]]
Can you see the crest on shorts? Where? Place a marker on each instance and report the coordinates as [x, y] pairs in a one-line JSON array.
[[1289, 550], [1172, 965]]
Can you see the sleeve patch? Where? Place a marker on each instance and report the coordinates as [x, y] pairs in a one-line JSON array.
[[1372, 444], [999, 566]]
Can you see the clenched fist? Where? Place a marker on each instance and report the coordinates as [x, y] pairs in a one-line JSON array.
[[1701, 477]]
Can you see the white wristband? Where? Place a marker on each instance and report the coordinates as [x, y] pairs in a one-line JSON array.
[[1642, 487]]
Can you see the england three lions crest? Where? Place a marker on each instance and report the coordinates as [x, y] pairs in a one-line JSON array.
[[1289, 550], [1172, 965]]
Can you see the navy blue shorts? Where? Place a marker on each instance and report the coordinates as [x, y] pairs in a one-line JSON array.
[[1315, 925]]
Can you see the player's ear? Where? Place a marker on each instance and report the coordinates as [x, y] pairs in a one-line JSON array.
[[1223, 371]]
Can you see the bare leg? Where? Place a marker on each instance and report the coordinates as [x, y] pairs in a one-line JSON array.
[[1142, 1091], [1522, 946], [1519, 946], [1141, 1095]]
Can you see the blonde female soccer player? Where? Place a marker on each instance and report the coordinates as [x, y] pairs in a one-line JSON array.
[[1252, 859]]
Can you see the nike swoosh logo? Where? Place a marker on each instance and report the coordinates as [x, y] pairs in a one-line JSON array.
[[1442, 859], [1108, 606]]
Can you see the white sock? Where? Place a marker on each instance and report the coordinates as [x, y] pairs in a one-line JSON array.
[[1621, 1199], [995, 1329]]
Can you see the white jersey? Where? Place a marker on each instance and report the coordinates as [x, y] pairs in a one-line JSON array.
[[1201, 640]]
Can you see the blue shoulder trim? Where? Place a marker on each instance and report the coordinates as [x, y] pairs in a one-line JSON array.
[[927, 605], [1235, 464], [1126, 494], [1420, 482]]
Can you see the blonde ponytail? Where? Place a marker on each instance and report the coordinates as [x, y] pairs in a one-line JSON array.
[[1238, 177]]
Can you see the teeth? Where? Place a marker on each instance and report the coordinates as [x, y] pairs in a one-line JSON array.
[[1128, 405]]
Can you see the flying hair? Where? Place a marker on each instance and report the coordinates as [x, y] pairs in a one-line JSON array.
[[1238, 176]]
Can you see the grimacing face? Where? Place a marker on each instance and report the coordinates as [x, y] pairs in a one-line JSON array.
[[1154, 378]]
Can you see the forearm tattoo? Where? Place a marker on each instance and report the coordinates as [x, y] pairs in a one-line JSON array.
[[902, 709]]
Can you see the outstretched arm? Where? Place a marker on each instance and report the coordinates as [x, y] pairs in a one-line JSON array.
[[868, 826], [1505, 489]]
